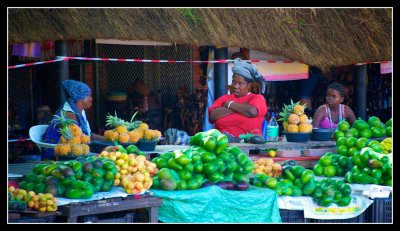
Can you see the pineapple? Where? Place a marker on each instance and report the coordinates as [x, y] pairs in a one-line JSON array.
[[66, 135], [123, 138], [75, 129], [86, 149], [63, 120], [148, 134], [143, 126], [63, 140], [107, 134], [298, 109], [303, 118], [140, 132], [133, 125], [113, 136], [285, 125], [157, 134], [294, 119], [74, 140], [117, 123], [85, 139], [62, 149], [305, 127], [134, 136], [76, 150], [293, 128]]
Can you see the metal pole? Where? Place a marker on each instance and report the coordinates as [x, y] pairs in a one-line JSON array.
[[221, 72], [61, 49], [360, 84]]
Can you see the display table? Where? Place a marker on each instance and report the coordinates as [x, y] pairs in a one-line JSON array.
[[74, 210], [215, 205]]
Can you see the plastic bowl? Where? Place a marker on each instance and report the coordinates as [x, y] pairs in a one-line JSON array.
[[297, 136], [322, 134], [146, 145]]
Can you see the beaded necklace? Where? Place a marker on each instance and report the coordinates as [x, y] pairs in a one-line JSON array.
[[330, 117]]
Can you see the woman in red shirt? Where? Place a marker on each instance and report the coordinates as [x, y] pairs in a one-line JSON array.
[[241, 112]]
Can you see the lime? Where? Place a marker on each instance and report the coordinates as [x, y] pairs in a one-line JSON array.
[[343, 161], [377, 132], [341, 141], [355, 132], [338, 134], [389, 131], [374, 121], [348, 134], [343, 126], [325, 161], [339, 170], [342, 150], [366, 133], [352, 151], [329, 171], [318, 169], [351, 142], [362, 143]]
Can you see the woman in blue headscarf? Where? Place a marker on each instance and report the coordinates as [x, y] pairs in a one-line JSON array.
[[79, 98]]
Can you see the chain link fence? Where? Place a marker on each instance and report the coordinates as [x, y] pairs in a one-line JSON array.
[[164, 79], [20, 100]]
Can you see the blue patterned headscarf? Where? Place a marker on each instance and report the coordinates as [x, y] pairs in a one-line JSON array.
[[77, 91], [248, 71]]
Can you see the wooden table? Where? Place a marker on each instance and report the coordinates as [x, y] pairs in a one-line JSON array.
[[74, 210]]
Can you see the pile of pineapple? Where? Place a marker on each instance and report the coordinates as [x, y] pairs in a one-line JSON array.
[[72, 141], [294, 119], [129, 132]]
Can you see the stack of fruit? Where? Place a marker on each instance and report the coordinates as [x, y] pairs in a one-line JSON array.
[[20, 199], [332, 164], [129, 132], [72, 141], [370, 167], [373, 128], [267, 166], [134, 171], [328, 191], [75, 179], [294, 119], [208, 161]]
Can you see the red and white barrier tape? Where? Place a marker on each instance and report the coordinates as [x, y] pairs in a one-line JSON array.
[[64, 58]]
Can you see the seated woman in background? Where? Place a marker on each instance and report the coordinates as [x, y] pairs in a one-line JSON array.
[[79, 99], [242, 111], [331, 113]]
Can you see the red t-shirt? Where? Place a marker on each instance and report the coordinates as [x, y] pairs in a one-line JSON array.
[[236, 123]]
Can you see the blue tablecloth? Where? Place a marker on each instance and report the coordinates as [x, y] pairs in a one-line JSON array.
[[216, 205]]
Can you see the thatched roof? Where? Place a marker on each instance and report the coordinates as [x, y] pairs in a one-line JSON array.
[[321, 37]]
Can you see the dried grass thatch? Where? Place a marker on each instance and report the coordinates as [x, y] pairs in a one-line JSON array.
[[321, 37]]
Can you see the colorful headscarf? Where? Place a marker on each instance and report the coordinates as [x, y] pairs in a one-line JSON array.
[[248, 71], [77, 91]]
